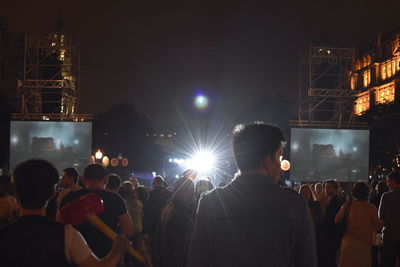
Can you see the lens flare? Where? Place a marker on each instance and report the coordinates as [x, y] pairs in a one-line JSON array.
[[202, 161], [201, 102]]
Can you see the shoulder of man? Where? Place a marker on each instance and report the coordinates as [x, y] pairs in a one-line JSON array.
[[392, 196], [290, 191], [216, 198], [72, 195], [114, 198], [63, 193], [387, 194], [107, 195], [210, 197]]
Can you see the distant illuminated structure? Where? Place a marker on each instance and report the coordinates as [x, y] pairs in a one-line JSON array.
[[325, 98], [50, 82], [375, 75]]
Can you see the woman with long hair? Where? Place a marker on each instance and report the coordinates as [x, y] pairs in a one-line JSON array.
[[173, 231], [133, 205]]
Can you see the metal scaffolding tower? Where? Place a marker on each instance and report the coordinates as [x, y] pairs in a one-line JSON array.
[[325, 97], [49, 86]]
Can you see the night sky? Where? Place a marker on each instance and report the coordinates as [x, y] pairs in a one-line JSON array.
[[158, 53]]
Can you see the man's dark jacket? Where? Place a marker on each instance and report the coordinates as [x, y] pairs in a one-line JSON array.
[[389, 212], [252, 222]]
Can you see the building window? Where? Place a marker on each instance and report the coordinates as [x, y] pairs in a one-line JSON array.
[[383, 71], [394, 70], [389, 69], [358, 65], [385, 94], [362, 103], [398, 63], [353, 82], [367, 78]]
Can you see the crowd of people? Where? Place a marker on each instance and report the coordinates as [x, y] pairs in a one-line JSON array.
[[251, 221]]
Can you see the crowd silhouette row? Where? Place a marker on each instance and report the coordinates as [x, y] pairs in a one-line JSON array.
[[251, 221]]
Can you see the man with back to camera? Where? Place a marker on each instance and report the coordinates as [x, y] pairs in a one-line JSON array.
[[36, 240], [389, 212], [113, 183], [69, 180], [158, 198], [114, 215], [253, 221]]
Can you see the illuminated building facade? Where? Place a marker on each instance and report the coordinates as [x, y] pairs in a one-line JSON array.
[[375, 75]]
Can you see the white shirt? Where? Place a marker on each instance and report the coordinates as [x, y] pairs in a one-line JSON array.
[[75, 247]]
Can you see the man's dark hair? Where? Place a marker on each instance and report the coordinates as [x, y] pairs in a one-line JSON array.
[[253, 142], [158, 180], [360, 191], [333, 183], [73, 173], [395, 176], [95, 172], [113, 181], [34, 182]]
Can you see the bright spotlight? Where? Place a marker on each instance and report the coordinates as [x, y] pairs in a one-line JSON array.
[[202, 161], [201, 102]]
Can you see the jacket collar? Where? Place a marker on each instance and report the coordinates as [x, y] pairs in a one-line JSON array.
[[254, 179]]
